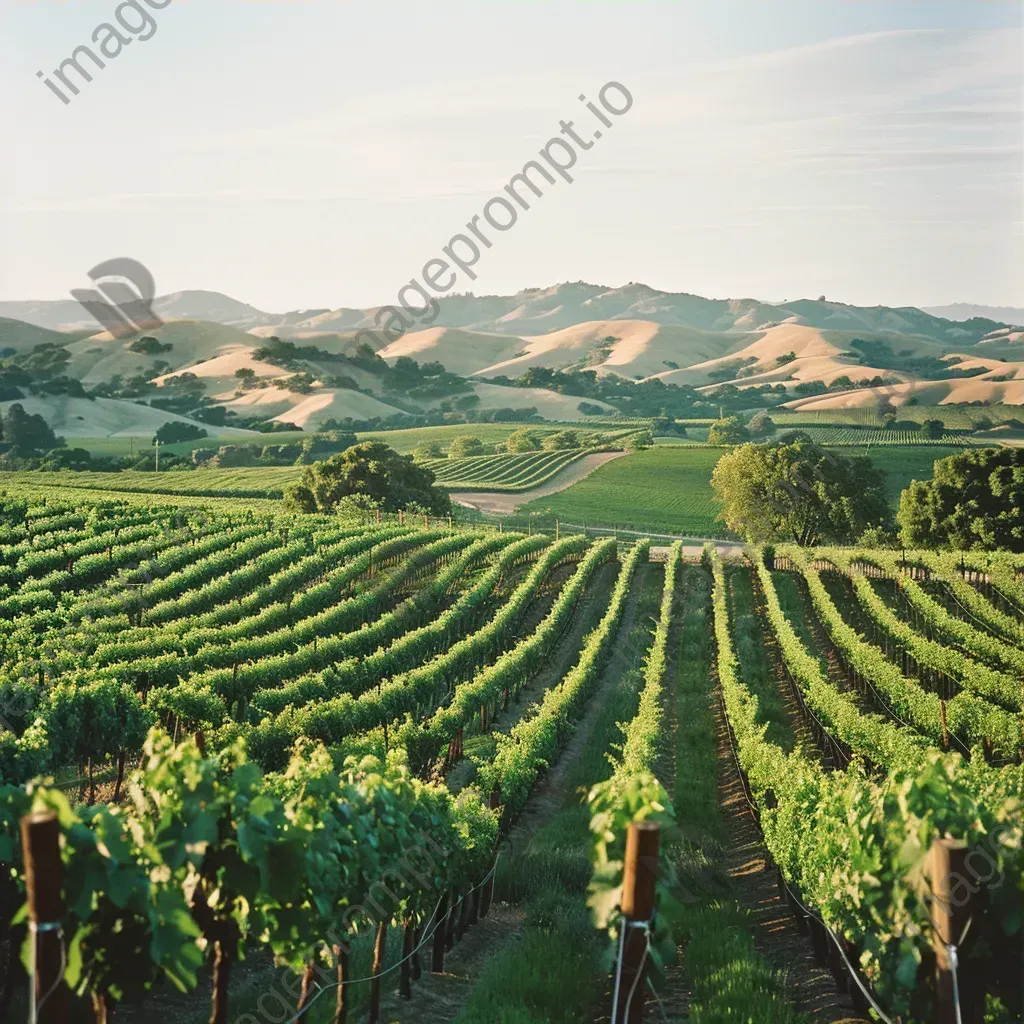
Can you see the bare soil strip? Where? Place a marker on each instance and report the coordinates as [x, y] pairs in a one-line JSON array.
[[437, 998], [776, 936]]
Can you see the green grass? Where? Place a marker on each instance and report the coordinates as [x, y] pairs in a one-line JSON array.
[[663, 489], [902, 465], [727, 978]]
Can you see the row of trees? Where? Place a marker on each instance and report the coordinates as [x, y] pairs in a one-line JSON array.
[[801, 491]]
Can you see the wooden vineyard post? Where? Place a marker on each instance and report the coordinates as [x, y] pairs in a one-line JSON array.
[[378, 517], [440, 928], [401, 517], [415, 968], [487, 895], [40, 844], [408, 945], [342, 1001], [449, 925], [638, 885], [379, 951], [426, 522], [462, 923], [950, 913]]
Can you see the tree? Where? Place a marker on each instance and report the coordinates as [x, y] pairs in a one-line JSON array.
[[149, 346], [761, 425], [974, 500], [299, 383], [372, 469], [229, 455], [323, 444], [27, 430], [464, 446], [561, 440], [730, 430], [640, 441], [521, 441], [173, 431], [67, 458], [427, 450], [799, 491], [246, 377], [933, 429]]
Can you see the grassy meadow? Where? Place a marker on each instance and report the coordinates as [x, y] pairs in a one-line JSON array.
[[668, 489]]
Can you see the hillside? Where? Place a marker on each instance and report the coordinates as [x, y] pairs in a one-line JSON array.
[[101, 356], [629, 348], [21, 336], [107, 417], [744, 353]]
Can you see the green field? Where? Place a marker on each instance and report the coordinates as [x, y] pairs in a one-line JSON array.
[[668, 489], [403, 441], [955, 417], [663, 489], [247, 482], [877, 438]]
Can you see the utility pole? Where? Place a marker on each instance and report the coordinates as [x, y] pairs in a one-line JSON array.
[[158, 456]]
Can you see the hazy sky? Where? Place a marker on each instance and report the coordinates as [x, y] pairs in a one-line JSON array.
[[319, 153]]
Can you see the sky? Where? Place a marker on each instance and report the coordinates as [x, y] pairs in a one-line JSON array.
[[318, 153]]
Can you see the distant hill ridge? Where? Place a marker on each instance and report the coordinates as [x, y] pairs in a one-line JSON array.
[[535, 311]]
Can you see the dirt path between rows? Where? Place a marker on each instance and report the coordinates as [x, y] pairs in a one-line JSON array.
[[503, 502], [565, 655], [810, 988], [549, 796], [438, 998]]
